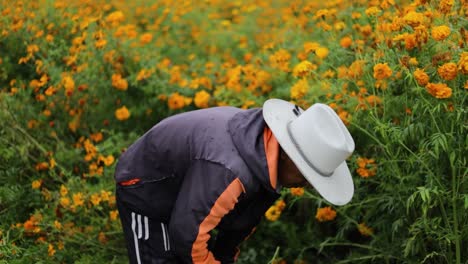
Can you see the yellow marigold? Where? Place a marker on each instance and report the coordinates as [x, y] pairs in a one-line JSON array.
[[297, 191], [445, 6], [346, 42], [321, 52], [115, 17], [51, 250], [439, 90], [122, 113], [365, 230], [63, 190], [95, 199], [113, 215], [440, 32], [413, 18], [78, 199], [447, 71], [373, 11], [421, 77], [303, 68], [176, 101], [118, 82], [280, 204], [202, 98], [382, 71], [36, 184], [69, 84], [463, 63], [413, 61], [273, 213], [64, 202], [299, 89], [325, 214], [311, 46]]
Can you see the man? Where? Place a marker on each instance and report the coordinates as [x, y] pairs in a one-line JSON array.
[[221, 168]]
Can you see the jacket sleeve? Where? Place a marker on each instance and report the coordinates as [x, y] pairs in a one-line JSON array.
[[209, 191], [226, 247]]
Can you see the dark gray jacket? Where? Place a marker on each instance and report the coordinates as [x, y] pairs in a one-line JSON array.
[[212, 171]]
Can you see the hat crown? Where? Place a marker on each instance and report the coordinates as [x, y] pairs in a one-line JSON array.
[[321, 138]]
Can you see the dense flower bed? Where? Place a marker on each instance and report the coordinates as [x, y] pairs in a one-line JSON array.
[[81, 80]]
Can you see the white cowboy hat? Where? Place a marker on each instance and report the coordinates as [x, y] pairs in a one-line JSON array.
[[318, 143]]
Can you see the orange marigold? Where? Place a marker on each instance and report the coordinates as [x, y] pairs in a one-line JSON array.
[[119, 83], [445, 6], [448, 71], [297, 191], [463, 63], [122, 113], [176, 101], [325, 214], [439, 90], [413, 18], [346, 42], [440, 32], [421, 77], [382, 71]]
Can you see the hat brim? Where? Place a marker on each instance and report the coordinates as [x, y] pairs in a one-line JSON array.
[[337, 188]]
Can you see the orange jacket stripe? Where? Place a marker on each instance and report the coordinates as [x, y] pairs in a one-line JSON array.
[[225, 203], [272, 155]]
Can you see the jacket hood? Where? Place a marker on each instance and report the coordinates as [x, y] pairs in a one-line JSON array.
[[246, 129]]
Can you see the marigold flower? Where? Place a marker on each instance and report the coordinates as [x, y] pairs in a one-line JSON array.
[[122, 113], [273, 213], [51, 251], [96, 137], [325, 214], [78, 199], [64, 202], [63, 190], [113, 215], [382, 71], [303, 68], [439, 90], [346, 42], [146, 38], [57, 225], [119, 83], [445, 6], [42, 166], [413, 18], [440, 32], [365, 230], [202, 99], [299, 89], [421, 77], [297, 191], [373, 11], [36, 184], [448, 71], [311, 46], [463, 63], [176, 101], [280, 204], [69, 84], [95, 199], [321, 52]]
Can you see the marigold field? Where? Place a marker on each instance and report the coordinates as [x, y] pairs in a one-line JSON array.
[[81, 80]]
